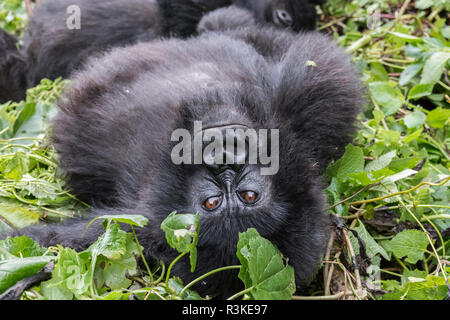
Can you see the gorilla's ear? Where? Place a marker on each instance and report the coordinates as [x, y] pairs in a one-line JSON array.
[[223, 19], [319, 95]]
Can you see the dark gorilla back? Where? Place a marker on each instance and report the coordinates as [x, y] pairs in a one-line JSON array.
[[12, 69], [53, 50], [113, 137]]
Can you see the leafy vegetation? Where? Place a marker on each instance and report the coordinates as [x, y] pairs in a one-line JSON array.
[[388, 194]]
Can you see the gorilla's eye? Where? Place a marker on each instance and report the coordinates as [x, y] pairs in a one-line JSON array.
[[249, 197], [212, 203]]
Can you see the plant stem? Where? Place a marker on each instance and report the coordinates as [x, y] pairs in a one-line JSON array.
[[142, 254], [237, 295], [206, 275], [171, 265]]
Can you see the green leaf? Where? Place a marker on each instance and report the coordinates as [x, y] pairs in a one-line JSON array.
[[112, 244], [182, 234], [113, 272], [72, 272], [372, 247], [407, 37], [430, 288], [411, 244], [438, 117], [415, 119], [384, 94], [263, 268], [420, 90], [434, 67], [382, 162], [424, 4], [17, 216], [132, 220], [13, 270], [409, 73], [21, 247], [351, 162], [17, 166]]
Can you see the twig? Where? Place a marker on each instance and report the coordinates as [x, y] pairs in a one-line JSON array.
[[29, 10], [326, 266], [435, 184]]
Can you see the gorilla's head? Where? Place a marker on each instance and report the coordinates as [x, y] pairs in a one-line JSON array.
[[293, 14]]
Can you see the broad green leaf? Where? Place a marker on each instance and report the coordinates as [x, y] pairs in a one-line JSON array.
[[384, 94], [430, 288], [372, 247], [113, 272], [421, 90], [382, 162], [112, 244], [415, 119], [411, 244], [424, 4], [21, 247], [72, 271], [434, 67], [13, 270], [263, 268], [132, 220], [182, 234], [438, 117], [351, 162], [17, 166], [407, 37], [409, 73], [17, 216], [368, 177]]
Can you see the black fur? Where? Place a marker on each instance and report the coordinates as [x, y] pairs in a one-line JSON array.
[[52, 50], [113, 139], [12, 69]]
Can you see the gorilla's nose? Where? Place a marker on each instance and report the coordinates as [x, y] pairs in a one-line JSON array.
[[283, 18]]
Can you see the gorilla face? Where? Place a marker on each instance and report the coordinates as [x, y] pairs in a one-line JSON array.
[[292, 14]]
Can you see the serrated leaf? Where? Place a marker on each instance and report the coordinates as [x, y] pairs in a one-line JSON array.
[[112, 244], [20, 247], [263, 268], [351, 162], [411, 244], [182, 234], [113, 272], [382, 162]]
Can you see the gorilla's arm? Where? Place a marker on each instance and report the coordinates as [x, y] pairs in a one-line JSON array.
[[12, 69]]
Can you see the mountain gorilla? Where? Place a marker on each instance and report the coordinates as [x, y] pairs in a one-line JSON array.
[[12, 69], [114, 132], [53, 50]]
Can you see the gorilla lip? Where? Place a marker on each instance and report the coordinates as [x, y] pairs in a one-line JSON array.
[[234, 143]]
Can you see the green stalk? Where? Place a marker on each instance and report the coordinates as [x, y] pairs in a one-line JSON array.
[[206, 275]]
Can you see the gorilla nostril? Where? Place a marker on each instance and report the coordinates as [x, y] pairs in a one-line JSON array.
[[283, 17]]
